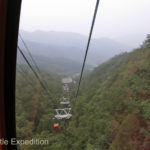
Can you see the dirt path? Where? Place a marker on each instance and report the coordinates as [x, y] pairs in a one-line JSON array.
[[33, 113]]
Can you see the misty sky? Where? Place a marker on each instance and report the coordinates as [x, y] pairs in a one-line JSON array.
[[115, 18]]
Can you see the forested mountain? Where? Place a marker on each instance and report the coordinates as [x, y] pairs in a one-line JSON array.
[[112, 111], [35, 105], [134, 40], [61, 66], [71, 46]]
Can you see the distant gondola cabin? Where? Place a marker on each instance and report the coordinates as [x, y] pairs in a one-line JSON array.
[[69, 106], [56, 127]]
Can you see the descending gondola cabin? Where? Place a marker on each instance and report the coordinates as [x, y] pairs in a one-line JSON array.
[[69, 106], [56, 127]]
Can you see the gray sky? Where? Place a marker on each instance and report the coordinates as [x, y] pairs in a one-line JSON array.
[[115, 18]]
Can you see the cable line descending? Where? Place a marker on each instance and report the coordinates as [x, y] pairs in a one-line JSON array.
[[34, 62], [36, 75], [88, 43], [25, 45]]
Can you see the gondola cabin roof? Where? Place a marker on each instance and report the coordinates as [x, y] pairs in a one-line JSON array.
[[66, 80], [56, 125]]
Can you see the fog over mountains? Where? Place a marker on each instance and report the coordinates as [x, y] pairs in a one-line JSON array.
[[66, 49]]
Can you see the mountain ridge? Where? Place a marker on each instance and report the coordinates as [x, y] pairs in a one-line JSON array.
[[73, 45]]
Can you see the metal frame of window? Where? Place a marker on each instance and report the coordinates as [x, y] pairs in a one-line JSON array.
[[9, 25]]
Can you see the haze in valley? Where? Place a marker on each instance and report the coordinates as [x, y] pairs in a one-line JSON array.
[[57, 31]]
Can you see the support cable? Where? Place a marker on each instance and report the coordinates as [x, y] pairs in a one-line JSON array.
[[36, 75], [34, 62], [88, 43], [22, 72], [25, 45]]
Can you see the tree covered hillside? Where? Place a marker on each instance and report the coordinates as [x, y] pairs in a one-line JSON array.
[[35, 106], [112, 111]]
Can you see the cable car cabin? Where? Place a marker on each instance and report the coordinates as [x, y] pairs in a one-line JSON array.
[[69, 106], [66, 80], [66, 88], [64, 101], [64, 84], [63, 113], [56, 127]]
